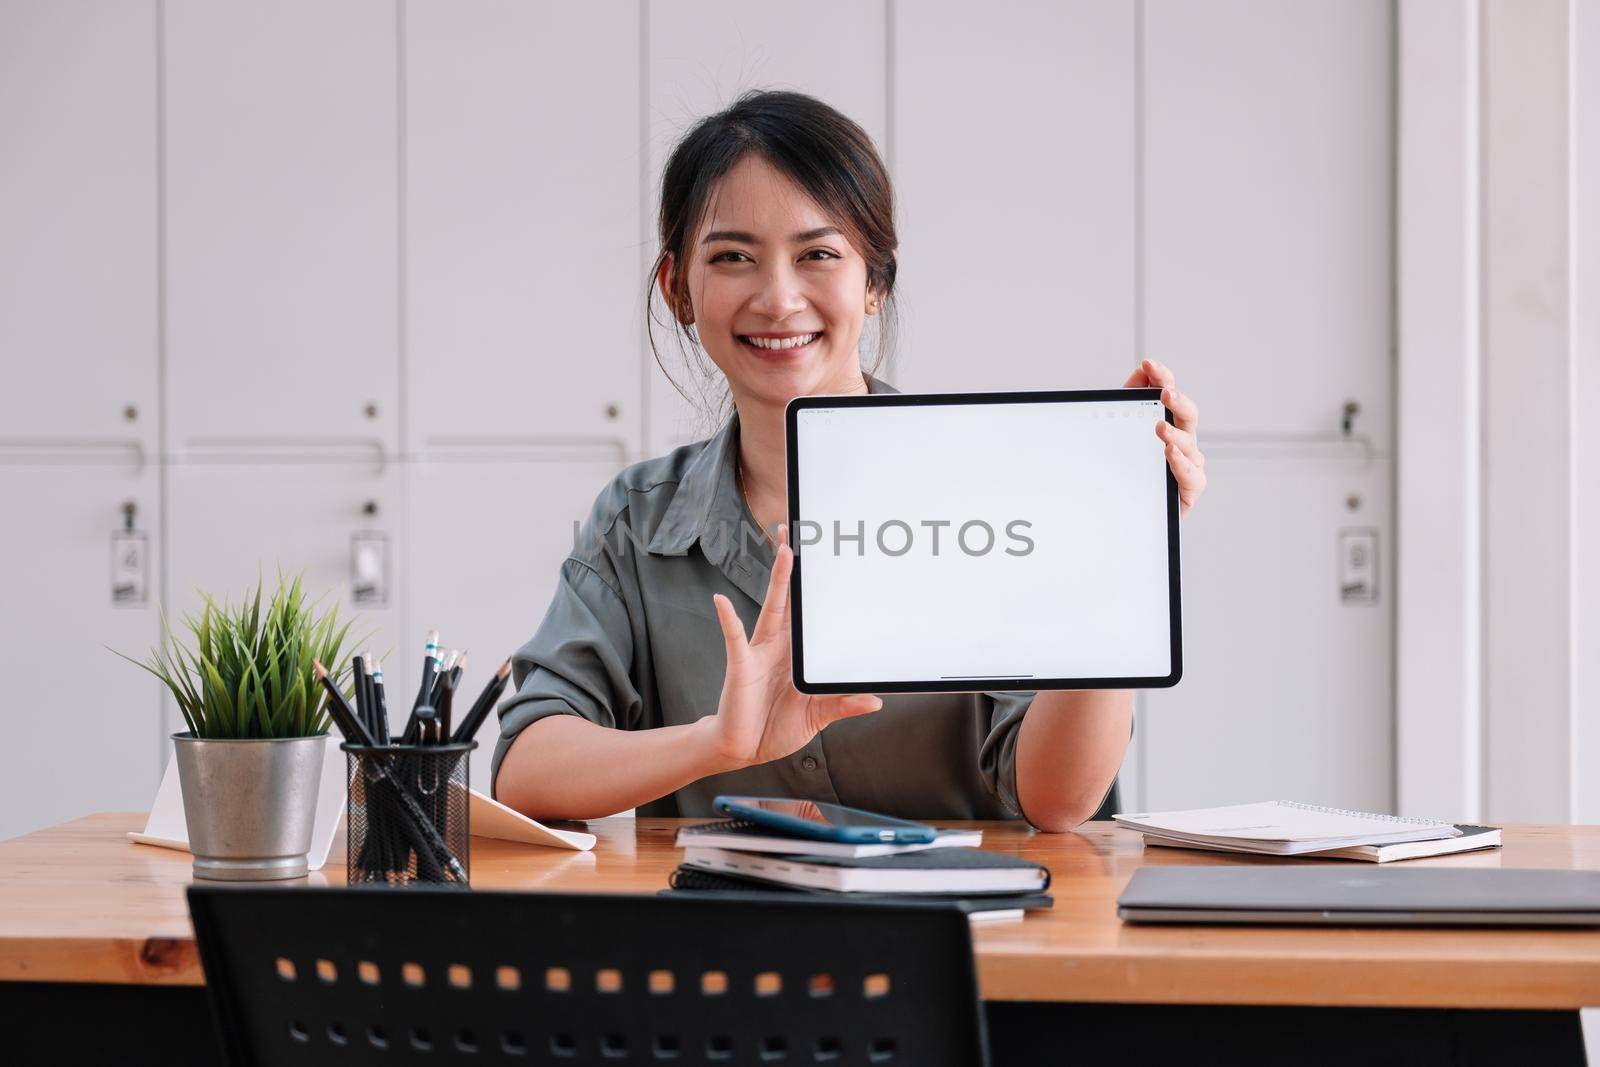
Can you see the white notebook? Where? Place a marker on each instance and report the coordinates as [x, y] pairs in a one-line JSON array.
[[1284, 827]]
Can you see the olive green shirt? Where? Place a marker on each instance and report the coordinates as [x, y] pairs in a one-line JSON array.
[[631, 641]]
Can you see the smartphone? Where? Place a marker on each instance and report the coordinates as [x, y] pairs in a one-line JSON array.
[[824, 822]]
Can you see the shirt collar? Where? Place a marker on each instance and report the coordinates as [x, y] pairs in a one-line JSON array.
[[707, 502]]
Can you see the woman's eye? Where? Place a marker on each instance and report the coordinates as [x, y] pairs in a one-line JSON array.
[[729, 257], [820, 253]]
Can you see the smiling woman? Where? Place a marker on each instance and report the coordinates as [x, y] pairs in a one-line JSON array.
[[777, 240], [660, 676]]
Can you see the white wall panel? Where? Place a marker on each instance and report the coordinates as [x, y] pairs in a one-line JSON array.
[[1015, 164], [83, 727], [704, 53], [525, 285], [281, 221], [78, 215], [1286, 689], [230, 519], [484, 568], [1267, 174]]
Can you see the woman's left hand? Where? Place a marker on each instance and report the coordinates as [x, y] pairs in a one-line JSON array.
[[1188, 463]]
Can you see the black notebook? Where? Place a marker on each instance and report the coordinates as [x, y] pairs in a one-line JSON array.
[[695, 881], [954, 871]]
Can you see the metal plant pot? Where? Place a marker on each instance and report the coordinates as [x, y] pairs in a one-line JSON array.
[[250, 804]]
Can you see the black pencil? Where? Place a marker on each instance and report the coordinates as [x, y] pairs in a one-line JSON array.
[[343, 715], [448, 699], [483, 705], [380, 706], [430, 665]]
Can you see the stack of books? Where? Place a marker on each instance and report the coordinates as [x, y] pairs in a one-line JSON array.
[[1285, 828], [737, 856]]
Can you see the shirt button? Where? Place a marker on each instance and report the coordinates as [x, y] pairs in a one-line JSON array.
[[809, 763]]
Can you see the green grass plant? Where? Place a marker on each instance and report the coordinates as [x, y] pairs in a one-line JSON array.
[[246, 672]]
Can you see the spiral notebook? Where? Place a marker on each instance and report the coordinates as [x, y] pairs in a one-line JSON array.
[[1284, 827]]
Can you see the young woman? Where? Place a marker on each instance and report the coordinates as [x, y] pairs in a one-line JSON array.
[[641, 688]]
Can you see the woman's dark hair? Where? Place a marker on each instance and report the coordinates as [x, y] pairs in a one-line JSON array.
[[827, 155]]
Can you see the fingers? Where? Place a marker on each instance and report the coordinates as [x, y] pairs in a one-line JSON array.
[[1190, 476], [775, 608], [1184, 410], [848, 707], [1184, 440], [732, 628]]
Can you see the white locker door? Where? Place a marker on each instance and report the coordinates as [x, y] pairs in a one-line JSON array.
[[1266, 260], [230, 521], [83, 727], [703, 54], [78, 211], [483, 570], [1286, 684], [1015, 162], [525, 276], [1267, 173], [281, 222]]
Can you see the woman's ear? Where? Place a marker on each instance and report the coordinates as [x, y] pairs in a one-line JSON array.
[[682, 309], [874, 301]]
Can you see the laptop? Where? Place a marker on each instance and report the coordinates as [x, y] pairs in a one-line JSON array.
[[1337, 895]]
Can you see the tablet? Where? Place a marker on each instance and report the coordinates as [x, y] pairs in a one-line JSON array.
[[963, 542]]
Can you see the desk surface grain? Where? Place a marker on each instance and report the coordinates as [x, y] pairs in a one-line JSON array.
[[80, 903]]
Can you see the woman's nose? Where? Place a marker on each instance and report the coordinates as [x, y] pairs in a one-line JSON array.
[[779, 295]]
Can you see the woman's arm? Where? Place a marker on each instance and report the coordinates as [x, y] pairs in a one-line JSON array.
[[1069, 747], [566, 767]]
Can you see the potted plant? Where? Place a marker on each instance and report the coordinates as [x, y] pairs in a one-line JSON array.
[[251, 759]]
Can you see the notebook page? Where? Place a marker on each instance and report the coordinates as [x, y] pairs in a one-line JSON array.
[[1277, 820]]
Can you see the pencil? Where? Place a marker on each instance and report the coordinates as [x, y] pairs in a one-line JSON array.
[[343, 715], [430, 665], [380, 707], [483, 705]]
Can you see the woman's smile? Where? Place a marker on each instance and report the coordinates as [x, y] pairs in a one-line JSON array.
[[780, 345]]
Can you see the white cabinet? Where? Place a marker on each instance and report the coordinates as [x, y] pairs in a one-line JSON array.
[[525, 273], [1266, 181], [83, 727], [1015, 162], [703, 54], [231, 520], [281, 223], [78, 215], [484, 566], [1286, 685]]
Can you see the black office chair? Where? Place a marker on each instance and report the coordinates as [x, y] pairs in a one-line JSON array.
[[387, 975]]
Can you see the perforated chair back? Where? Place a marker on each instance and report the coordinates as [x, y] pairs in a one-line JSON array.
[[382, 975]]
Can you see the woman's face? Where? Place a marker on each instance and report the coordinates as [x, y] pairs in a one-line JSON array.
[[778, 294]]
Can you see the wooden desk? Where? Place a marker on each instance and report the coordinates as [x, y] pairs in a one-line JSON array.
[[79, 903]]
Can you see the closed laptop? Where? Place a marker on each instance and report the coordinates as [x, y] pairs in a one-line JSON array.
[[1337, 894]]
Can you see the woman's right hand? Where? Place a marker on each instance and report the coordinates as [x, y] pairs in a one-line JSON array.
[[762, 716]]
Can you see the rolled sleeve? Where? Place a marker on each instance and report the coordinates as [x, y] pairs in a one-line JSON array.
[[577, 663], [997, 757]]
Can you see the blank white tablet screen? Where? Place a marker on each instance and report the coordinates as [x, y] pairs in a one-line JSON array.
[[981, 542]]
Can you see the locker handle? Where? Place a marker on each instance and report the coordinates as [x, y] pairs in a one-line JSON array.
[[223, 449], [39, 449]]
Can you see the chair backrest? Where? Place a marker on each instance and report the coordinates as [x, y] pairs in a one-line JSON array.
[[415, 974]]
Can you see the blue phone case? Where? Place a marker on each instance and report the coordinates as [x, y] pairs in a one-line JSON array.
[[891, 831]]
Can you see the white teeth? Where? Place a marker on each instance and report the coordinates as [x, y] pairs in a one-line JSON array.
[[783, 342]]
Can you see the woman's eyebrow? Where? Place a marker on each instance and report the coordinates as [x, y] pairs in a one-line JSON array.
[[750, 239]]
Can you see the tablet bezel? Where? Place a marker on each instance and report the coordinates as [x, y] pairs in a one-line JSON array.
[[1066, 396]]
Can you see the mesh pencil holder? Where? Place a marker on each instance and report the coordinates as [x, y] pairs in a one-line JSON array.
[[407, 814]]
